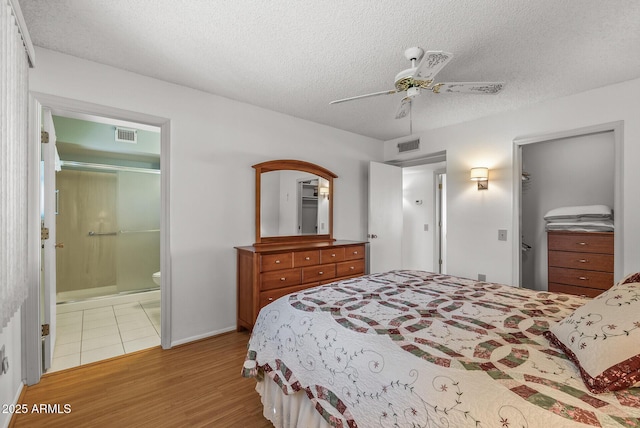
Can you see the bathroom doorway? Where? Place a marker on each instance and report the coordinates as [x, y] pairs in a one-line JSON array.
[[108, 192]]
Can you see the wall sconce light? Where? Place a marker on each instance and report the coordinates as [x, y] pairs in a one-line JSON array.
[[481, 175], [324, 192]]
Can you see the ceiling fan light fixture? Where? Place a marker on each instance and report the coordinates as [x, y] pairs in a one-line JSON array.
[[413, 91], [421, 75]]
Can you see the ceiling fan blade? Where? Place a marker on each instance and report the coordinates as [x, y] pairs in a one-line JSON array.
[[469, 87], [405, 108], [375, 94], [431, 64]]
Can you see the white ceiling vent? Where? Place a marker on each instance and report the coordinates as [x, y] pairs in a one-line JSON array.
[[409, 146], [126, 135]]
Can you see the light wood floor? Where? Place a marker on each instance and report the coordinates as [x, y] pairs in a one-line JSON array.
[[194, 385]]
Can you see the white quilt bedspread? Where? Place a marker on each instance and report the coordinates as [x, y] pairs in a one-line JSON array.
[[416, 349]]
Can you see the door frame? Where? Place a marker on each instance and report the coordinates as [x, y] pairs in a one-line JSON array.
[[617, 128], [431, 158], [440, 195], [32, 352]]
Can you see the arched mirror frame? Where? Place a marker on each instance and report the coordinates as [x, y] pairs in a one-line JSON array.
[[294, 165]]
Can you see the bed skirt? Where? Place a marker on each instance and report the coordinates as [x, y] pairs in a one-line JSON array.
[[288, 411]]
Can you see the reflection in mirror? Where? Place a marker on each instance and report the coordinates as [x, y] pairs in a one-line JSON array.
[[293, 203]]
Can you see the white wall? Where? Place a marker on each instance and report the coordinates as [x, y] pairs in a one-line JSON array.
[[11, 382], [214, 142], [474, 217], [564, 172]]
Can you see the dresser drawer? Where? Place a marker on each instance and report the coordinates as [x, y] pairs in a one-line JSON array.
[[579, 277], [581, 242], [318, 273], [332, 255], [279, 279], [306, 258], [269, 296], [354, 252], [572, 289], [276, 261], [586, 261], [351, 267]]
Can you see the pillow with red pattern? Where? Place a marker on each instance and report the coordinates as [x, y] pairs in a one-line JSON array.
[[602, 337], [632, 277]]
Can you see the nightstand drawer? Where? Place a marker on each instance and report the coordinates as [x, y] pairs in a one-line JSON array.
[[572, 289], [280, 279], [592, 242], [318, 273], [585, 261], [581, 278], [348, 268], [354, 252], [306, 258], [276, 261]]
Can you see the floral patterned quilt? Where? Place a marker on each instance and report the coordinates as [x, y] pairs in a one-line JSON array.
[[417, 349]]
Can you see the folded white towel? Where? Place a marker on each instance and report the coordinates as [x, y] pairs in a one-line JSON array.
[[577, 213], [583, 226]]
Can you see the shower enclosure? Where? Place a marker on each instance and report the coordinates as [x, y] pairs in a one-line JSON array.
[[109, 223]]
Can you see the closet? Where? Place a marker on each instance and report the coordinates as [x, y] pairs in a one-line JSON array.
[[572, 171]]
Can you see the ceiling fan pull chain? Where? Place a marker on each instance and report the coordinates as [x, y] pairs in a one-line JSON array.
[[411, 119]]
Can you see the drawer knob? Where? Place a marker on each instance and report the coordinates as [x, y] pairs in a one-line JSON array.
[[352, 267], [355, 252], [307, 258], [320, 273], [582, 243], [582, 278], [270, 299], [283, 279], [277, 262], [583, 261], [333, 255]]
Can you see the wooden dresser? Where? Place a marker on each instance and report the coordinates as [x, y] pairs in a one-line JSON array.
[[580, 262], [266, 273]]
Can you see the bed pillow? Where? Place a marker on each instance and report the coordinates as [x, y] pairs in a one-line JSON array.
[[579, 213], [602, 337], [632, 277]]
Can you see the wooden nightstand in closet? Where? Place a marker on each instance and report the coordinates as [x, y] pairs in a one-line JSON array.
[[580, 262]]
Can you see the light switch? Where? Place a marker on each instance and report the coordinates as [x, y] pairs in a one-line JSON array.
[[502, 234]]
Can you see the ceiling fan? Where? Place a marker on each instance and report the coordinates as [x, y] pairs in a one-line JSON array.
[[413, 80]]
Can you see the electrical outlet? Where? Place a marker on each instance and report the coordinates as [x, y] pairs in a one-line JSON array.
[[502, 234], [426, 227], [482, 277]]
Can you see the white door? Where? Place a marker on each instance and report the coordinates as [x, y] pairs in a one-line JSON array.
[[385, 217], [48, 189]]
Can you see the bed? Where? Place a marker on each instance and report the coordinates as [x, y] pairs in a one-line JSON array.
[[418, 349]]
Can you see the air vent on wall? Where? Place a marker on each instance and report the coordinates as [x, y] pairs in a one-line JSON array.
[[126, 135], [409, 146]]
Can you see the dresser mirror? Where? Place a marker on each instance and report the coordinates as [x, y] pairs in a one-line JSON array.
[[294, 202]]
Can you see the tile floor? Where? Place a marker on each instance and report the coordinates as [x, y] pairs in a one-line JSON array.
[[89, 335]]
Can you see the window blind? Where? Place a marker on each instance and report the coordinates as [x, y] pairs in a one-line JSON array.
[[14, 92]]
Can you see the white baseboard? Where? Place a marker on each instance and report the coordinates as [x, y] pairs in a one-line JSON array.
[[202, 336], [5, 418]]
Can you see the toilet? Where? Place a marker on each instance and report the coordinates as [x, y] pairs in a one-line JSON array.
[[156, 278]]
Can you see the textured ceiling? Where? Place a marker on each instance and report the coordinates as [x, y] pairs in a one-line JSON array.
[[294, 57]]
